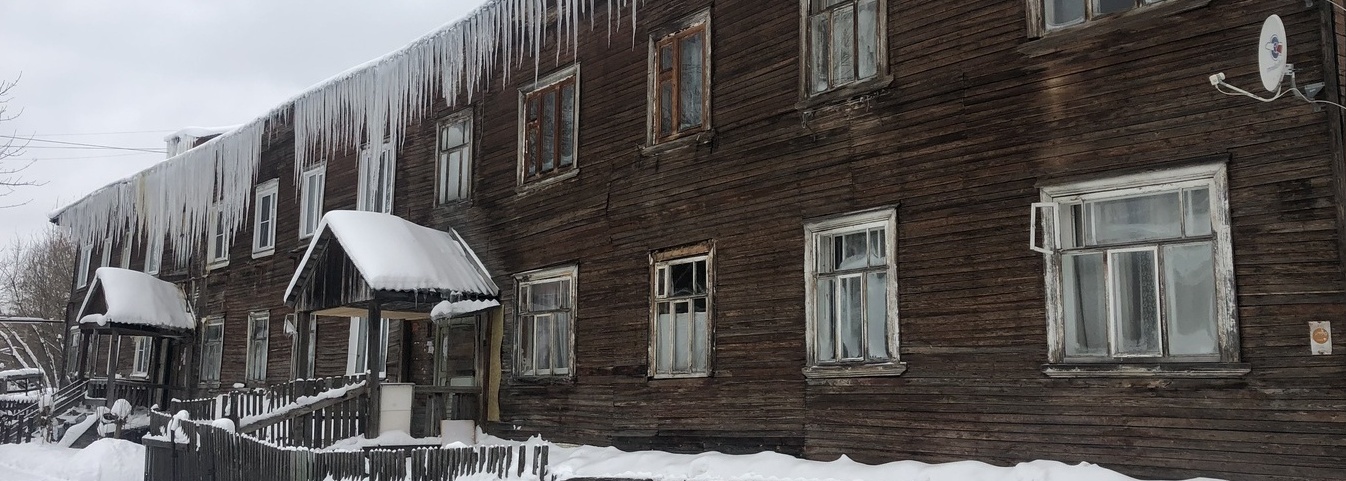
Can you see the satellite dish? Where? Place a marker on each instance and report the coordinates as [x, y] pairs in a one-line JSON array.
[[1272, 51]]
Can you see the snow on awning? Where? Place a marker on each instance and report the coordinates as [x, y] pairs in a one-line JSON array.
[[393, 254], [448, 309], [134, 298]]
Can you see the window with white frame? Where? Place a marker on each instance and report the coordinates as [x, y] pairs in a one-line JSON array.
[[1139, 268], [264, 218], [377, 171], [106, 252], [850, 276], [844, 42], [310, 200], [357, 347], [154, 254], [1064, 13], [218, 249], [546, 316], [85, 258], [140, 362], [455, 157], [680, 330], [259, 334], [124, 258], [548, 126], [680, 80], [212, 348]]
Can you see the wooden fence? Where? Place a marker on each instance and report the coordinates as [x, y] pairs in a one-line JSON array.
[[313, 424], [196, 451]]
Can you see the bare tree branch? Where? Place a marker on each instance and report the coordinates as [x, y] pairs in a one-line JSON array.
[[11, 178]]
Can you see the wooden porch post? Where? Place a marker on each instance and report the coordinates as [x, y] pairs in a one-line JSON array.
[[85, 338], [372, 347], [302, 368], [114, 351]]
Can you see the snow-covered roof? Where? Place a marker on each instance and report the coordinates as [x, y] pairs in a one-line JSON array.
[[27, 371], [198, 132], [25, 319], [393, 254], [447, 309], [136, 298]]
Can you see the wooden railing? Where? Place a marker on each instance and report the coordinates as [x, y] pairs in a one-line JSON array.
[[14, 406], [304, 421], [193, 450], [67, 397], [449, 402], [18, 427]]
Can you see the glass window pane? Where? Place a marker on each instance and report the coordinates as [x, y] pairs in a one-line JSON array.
[[867, 26], [851, 251], [1086, 315], [565, 294], [548, 138], [1064, 12], [546, 296], [843, 45], [663, 350], [1149, 217], [682, 334], [1134, 303], [665, 109], [876, 317], [850, 317], [690, 70], [878, 252], [1103, 7], [826, 325], [568, 119], [526, 329], [561, 340], [543, 342], [701, 336], [659, 281], [1189, 299], [1198, 212], [666, 57], [454, 135], [818, 52], [700, 276], [681, 279]]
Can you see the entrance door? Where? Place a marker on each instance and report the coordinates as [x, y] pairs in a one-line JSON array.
[[458, 368]]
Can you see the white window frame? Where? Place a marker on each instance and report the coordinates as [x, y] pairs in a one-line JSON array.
[[85, 258], [154, 254], [265, 245], [880, 364], [1039, 13], [255, 364], [454, 183], [1055, 197], [106, 253], [378, 177], [210, 368], [660, 285], [311, 199], [124, 258], [698, 21], [217, 248], [140, 362], [543, 276], [357, 349], [880, 75], [573, 169]]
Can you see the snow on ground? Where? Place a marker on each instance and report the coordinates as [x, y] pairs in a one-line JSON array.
[[104, 460]]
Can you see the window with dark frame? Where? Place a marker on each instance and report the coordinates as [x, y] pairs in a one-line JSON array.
[[259, 334], [681, 329], [549, 133], [1065, 13], [843, 43], [681, 83], [455, 157], [212, 348]]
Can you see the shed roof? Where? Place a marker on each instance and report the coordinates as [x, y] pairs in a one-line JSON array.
[[135, 298]]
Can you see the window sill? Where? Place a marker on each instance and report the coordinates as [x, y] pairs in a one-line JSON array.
[[845, 94], [888, 369], [689, 141], [263, 253], [1167, 370], [213, 265], [536, 185], [1078, 37], [669, 377], [539, 381]]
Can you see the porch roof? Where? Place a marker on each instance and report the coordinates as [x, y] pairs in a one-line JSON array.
[[393, 254], [134, 298]]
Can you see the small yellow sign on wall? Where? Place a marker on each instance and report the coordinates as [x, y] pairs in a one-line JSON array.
[[1320, 338]]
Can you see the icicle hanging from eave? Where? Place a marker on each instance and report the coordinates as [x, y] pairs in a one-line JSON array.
[[381, 99], [174, 199]]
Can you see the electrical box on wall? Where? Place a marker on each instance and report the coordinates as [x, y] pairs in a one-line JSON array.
[[1320, 338]]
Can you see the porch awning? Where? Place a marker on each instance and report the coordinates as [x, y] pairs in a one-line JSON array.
[[391, 254], [135, 299]]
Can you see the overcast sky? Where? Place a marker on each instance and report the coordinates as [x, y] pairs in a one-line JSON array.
[[128, 72]]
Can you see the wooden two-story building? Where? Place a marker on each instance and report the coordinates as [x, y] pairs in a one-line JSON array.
[[1001, 231]]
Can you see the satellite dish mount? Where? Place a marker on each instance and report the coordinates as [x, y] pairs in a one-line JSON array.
[[1273, 66]]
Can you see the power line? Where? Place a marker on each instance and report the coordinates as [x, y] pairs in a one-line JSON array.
[[38, 159], [82, 144], [65, 147], [77, 134]]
